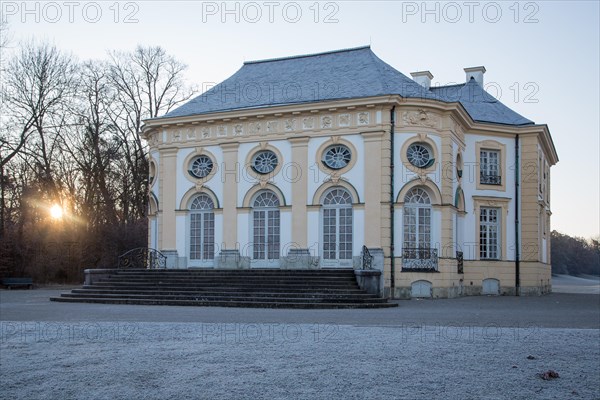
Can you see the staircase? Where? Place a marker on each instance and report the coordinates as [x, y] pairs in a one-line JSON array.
[[261, 288]]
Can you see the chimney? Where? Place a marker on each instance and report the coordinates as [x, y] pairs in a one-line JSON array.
[[423, 78], [475, 73]]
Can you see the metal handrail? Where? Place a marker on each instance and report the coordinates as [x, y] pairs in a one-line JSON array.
[[143, 257], [367, 258]]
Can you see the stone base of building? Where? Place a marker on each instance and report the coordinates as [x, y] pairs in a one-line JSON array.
[[409, 292]]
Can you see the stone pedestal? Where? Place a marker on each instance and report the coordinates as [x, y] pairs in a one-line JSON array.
[[231, 259], [371, 280], [299, 259], [92, 276], [172, 258]]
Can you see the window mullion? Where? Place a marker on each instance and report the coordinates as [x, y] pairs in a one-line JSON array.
[[338, 236]]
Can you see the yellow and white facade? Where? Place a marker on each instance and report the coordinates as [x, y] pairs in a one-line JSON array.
[[447, 205]]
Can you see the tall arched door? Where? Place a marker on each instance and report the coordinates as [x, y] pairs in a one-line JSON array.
[[202, 231], [265, 229]]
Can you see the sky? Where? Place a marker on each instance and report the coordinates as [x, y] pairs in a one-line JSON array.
[[542, 57]]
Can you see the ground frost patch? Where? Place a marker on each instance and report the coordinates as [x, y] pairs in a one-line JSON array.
[[252, 361]]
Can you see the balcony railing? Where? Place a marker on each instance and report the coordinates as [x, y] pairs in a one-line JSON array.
[[419, 259], [490, 179]]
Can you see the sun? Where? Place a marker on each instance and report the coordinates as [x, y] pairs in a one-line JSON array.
[[56, 211]]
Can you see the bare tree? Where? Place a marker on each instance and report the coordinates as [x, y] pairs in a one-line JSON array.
[[92, 145], [36, 83], [148, 83], [40, 81]]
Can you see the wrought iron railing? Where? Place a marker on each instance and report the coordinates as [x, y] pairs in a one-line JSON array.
[[459, 261], [367, 258], [143, 257], [419, 259], [490, 179]]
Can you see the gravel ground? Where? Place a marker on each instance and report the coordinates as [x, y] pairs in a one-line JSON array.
[[465, 348], [140, 360], [556, 310]]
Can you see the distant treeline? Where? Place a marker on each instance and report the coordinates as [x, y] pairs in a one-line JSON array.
[[575, 255]]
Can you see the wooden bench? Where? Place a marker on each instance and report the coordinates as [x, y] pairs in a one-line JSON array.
[[15, 282]]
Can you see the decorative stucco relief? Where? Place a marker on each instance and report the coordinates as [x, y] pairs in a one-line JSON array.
[[181, 134], [290, 124], [308, 123], [421, 118], [272, 126], [363, 118], [238, 130], [344, 120]]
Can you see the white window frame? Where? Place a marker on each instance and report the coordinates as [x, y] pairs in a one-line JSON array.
[[421, 210], [490, 169], [490, 233]]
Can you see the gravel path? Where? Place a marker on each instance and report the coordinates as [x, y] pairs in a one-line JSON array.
[[586, 284], [466, 348], [140, 360]]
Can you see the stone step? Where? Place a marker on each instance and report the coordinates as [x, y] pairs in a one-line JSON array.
[[252, 272], [349, 285], [267, 288], [224, 292], [259, 297], [235, 283], [266, 278], [266, 304]]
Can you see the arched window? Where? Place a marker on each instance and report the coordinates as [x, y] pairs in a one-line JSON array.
[[266, 230], [202, 228], [337, 225], [417, 228]]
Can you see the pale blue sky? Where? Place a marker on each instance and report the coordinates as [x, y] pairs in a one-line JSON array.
[[554, 46]]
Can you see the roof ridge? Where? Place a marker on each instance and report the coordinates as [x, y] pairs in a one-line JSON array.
[[382, 80], [307, 55], [447, 86]]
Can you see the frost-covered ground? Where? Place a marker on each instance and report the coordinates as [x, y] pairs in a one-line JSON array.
[[163, 360]]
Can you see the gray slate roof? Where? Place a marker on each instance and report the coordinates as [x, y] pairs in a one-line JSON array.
[[480, 105], [335, 75]]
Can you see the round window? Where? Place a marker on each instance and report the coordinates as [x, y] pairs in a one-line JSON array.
[[201, 167], [419, 155], [337, 156], [264, 162]]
